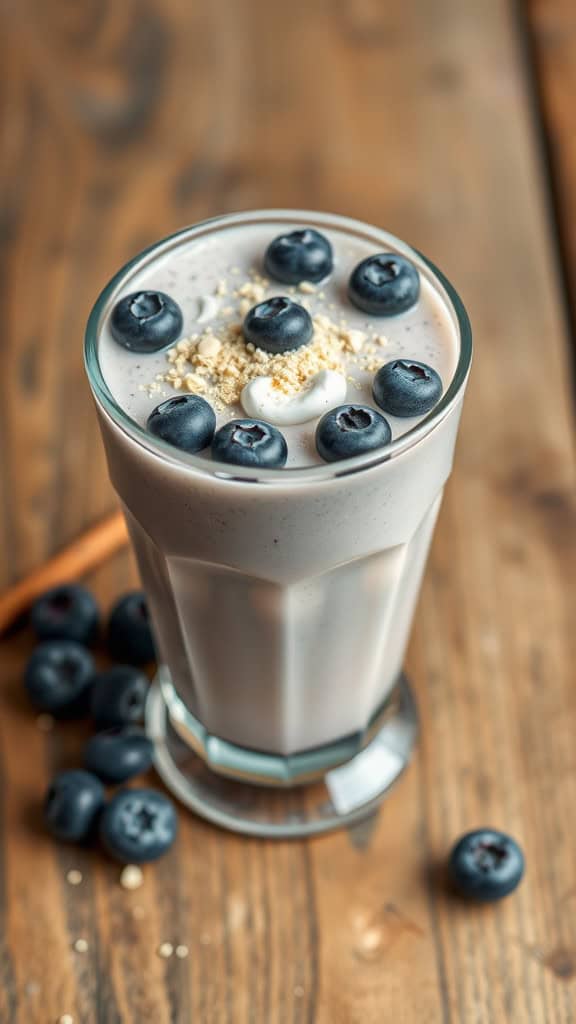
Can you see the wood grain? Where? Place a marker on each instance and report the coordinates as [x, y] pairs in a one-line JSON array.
[[122, 122], [550, 29]]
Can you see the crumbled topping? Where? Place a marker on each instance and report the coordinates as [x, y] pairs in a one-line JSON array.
[[131, 877], [219, 362], [253, 290], [74, 877], [165, 950], [355, 340]]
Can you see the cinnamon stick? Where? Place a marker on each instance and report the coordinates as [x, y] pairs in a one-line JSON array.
[[89, 550]]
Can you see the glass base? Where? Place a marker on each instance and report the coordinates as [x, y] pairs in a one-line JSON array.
[[341, 796]]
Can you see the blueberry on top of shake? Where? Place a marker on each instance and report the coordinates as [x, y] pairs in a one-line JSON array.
[[278, 325], [146, 321], [384, 285], [303, 255]]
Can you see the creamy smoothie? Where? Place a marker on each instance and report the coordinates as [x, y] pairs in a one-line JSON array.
[[282, 597]]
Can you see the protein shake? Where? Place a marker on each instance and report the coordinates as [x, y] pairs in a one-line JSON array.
[[282, 591]]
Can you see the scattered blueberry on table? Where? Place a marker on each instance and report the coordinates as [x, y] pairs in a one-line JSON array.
[[130, 637], [138, 825], [303, 255], [250, 443], [278, 325], [188, 422], [119, 696], [406, 387], [118, 754], [72, 805], [486, 865], [134, 825], [59, 677], [351, 430], [384, 285], [146, 321], [66, 612]]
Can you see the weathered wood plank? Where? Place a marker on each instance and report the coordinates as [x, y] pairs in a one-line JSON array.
[[121, 123]]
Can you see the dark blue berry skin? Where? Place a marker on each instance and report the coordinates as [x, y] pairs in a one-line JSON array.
[[66, 612], [59, 677], [405, 387], [351, 430], [138, 825], [486, 865], [72, 805], [119, 696], [188, 422], [278, 325], [250, 443], [384, 285], [118, 754], [303, 255], [130, 637], [146, 321]]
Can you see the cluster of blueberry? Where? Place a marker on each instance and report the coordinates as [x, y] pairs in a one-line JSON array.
[[61, 680], [382, 285], [139, 825]]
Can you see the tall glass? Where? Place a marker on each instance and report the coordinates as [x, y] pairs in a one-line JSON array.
[[282, 600]]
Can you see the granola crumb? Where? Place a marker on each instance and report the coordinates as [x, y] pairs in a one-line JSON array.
[[131, 877], [81, 946], [181, 951], [307, 287], [219, 362], [221, 288], [165, 950], [209, 346], [74, 877], [353, 339]]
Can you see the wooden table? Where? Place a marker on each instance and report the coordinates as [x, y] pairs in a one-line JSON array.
[[452, 123]]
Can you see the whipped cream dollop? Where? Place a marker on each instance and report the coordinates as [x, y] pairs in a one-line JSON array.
[[261, 399]]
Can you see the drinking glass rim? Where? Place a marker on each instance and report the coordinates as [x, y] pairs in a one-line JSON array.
[[292, 475]]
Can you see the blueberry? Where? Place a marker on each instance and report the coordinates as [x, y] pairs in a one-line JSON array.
[[138, 825], [486, 865], [119, 696], [351, 430], [130, 637], [278, 325], [67, 612], [146, 321], [405, 387], [299, 256], [250, 443], [72, 805], [188, 422], [384, 285], [118, 754], [59, 677]]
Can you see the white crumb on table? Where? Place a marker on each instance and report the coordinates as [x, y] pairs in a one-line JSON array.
[[131, 877]]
